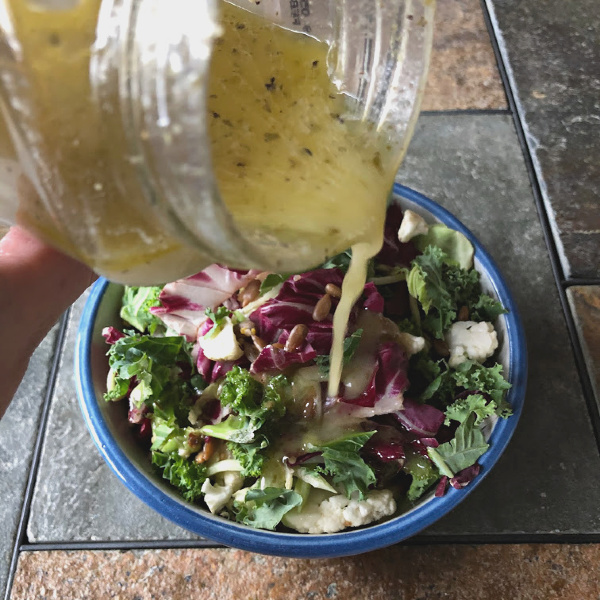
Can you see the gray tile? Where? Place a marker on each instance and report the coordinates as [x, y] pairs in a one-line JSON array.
[[553, 49], [543, 483], [77, 497], [18, 434]]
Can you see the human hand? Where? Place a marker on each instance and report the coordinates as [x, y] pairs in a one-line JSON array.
[[37, 284]]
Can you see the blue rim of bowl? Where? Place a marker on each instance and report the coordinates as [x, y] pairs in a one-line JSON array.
[[302, 545]]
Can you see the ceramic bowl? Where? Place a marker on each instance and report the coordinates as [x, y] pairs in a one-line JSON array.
[[109, 428]]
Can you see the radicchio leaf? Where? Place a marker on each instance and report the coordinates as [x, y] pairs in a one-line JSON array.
[[111, 335], [387, 444], [272, 358], [393, 252], [211, 370], [373, 299], [441, 487], [464, 477], [185, 300], [421, 419], [384, 392], [294, 304]]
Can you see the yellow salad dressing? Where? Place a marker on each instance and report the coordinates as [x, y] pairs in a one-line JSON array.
[[289, 164]]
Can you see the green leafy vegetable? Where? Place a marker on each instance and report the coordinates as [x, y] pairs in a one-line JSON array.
[[409, 326], [462, 451], [432, 381], [187, 476], [233, 429], [164, 430], [342, 261], [471, 375], [442, 288], [486, 309], [241, 392], [218, 318], [339, 261], [265, 508], [270, 281], [462, 408], [252, 403], [256, 409], [424, 475], [136, 305], [350, 345], [456, 246], [275, 394], [156, 363], [344, 463], [250, 456], [426, 284]]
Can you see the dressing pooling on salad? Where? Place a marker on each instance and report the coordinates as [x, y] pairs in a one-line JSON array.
[[226, 375]]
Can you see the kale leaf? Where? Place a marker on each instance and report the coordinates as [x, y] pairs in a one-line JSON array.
[[186, 475], [443, 287], [156, 363], [462, 408], [345, 465], [136, 305], [264, 509]]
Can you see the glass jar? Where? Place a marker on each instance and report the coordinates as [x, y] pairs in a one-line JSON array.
[[111, 137]]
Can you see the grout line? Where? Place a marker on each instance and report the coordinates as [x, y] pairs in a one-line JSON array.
[[578, 281], [21, 535], [119, 545], [433, 540], [466, 111], [552, 245]]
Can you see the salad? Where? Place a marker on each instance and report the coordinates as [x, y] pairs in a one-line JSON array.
[[225, 377]]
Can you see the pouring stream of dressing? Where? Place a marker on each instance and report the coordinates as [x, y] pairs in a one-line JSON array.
[[352, 287]]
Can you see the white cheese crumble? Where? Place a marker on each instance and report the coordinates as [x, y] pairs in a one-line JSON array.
[[223, 345], [469, 339], [338, 513], [411, 226], [217, 496], [412, 344]]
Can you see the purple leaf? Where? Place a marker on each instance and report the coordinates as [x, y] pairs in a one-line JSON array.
[[393, 252], [185, 300], [278, 359], [111, 335], [387, 444], [440, 489], [211, 371], [294, 304], [204, 365], [384, 392], [373, 299], [423, 420], [464, 477]]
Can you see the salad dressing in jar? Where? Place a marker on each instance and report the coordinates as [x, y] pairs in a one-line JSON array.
[[155, 138]]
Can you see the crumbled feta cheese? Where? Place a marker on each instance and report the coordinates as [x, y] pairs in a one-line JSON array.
[[412, 344], [223, 345], [217, 496], [468, 339], [338, 513], [412, 225]]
